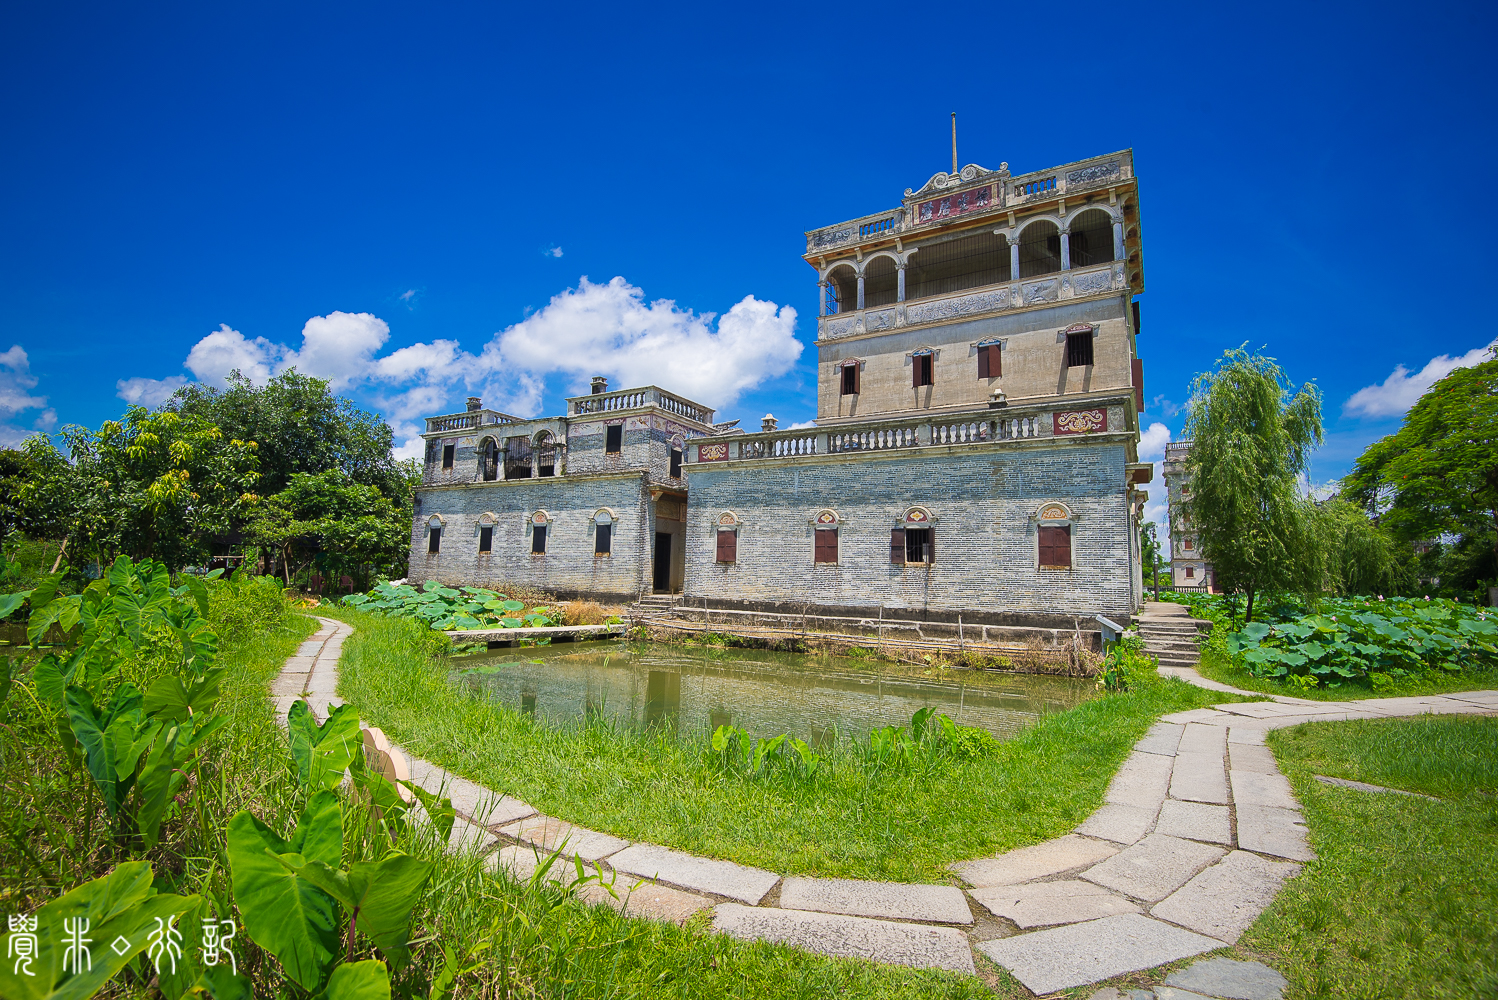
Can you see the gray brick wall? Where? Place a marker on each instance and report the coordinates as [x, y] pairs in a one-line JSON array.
[[983, 503], [569, 566]]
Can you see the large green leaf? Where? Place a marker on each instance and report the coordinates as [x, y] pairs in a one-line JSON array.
[[199, 591], [172, 700], [10, 602], [323, 753], [284, 914], [101, 750], [368, 980], [119, 905]]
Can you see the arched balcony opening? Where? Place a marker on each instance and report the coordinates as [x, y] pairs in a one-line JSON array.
[[880, 283], [842, 289], [518, 458], [1091, 238], [1039, 249], [489, 460], [546, 454], [956, 265]]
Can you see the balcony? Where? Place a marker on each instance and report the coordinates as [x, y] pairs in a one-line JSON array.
[[1058, 286], [912, 433], [637, 399], [469, 420]]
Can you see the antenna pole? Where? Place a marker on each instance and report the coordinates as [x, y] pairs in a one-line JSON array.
[[954, 143]]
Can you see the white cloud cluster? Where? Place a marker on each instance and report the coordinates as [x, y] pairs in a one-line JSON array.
[[1397, 393], [593, 329], [16, 383]]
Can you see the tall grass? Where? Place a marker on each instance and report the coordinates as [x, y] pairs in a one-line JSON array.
[[849, 820]]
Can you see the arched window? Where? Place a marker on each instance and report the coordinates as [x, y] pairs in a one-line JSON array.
[[1053, 536], [518, 458], [489, 460], [540, 523], [486, 531], [825, 525], [434, 534], [546, 454], [728, 537], [956, 265], [1039, 249], [603, 531], [914, 541], [1091, 238], [880, 285], [842, 289]]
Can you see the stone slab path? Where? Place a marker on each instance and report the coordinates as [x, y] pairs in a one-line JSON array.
[[1197, 833]]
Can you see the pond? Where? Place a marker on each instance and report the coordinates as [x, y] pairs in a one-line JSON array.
[[700, 688]]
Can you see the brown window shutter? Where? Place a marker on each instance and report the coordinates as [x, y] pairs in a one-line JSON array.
[[930, 546], [826, 547], [983, 371], [857, 375], [1139, 384], [897, 545], [996, 359], [728, 546], [915, 373], [1055, 546]]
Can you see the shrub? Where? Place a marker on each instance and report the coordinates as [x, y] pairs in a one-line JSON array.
[[585, 613]]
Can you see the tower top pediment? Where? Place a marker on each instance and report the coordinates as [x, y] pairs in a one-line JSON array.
[[942, 182]]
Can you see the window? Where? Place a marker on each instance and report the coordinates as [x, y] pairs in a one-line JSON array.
[[728, 546], [1188, 544], [603, 539], [1079, 349], [1190, 572], [918, 545], [849, 380], [990, 363], [433, 447], [920, 370], [897, 546], [489, 460], [613, 439], [447, 455], [434, 539], [1055, 546], [518, 458], [486, 538], [676, 463], [826, 546], [538, 539], [546, 454]]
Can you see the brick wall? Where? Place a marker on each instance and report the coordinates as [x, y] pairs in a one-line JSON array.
[[983, 502]]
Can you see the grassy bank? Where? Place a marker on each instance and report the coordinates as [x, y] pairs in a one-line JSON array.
[[1403, 901], [1220, 666], [903, 823]]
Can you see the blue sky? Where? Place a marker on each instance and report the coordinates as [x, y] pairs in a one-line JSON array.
[[407, 198]]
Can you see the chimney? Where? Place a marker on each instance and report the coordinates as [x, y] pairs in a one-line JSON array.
[[600, 385], [767, 424], [474, 404]]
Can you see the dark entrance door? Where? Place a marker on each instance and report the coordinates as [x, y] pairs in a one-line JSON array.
[[663, 561]]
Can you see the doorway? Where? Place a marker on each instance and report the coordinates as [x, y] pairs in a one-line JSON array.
[[662, 582]]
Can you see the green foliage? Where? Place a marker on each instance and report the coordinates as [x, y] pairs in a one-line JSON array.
[[445, 608], [328, 520], [1252, 438], [1439, 473], [323, 753], [1375, 640], [1124, 664], [242, 606]]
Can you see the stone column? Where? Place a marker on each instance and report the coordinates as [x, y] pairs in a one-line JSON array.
[[860, 291], [1013, 258], [1118, 241], [821, 298], [900, 281], [1066, 249]]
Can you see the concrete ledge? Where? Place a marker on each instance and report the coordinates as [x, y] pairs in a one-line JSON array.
[[849, 937]]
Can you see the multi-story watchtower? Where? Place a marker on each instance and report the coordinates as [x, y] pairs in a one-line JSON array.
[[979, 389]]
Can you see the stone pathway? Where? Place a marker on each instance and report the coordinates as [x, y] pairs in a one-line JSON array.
[[1197, 832]]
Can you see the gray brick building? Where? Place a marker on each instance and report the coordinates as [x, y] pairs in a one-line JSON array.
[[974, 454]]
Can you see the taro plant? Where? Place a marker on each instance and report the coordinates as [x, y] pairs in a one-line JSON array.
[[446, 608]]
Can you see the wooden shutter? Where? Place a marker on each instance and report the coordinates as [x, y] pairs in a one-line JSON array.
[[983, 371], [930, 546], [1055, 546], [1139, 384], [915, 373], [728, 546], [857, 374], [826, 547], [897, 545], [995, 360]]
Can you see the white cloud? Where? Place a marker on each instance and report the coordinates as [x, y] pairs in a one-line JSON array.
[[407, 295], [47, 421], [554, 252], [799, 426], [1157, 511], [148, 391], [1152, 443], [1397, 393], [222, 351], [610, 330], [16, 381], [339, 347], [1165, 406]]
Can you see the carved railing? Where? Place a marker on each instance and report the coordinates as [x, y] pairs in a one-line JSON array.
[[1019, 427], [880, 439], [468, 420], [685, 408], [631, 399], [961, 433], [878, 226], [779, 447]]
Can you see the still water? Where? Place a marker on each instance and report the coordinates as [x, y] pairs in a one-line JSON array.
[[699, 689]]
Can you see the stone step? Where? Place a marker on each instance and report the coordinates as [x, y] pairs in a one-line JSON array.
[[918, 945]]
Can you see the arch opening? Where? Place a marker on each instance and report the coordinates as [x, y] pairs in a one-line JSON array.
[[1039, 249], [880, 284], [489, 460], [546, 454], [1091, 238], [957, 265], [842, 289], [518, 458]]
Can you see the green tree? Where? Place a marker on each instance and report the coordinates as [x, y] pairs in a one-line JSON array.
[[1361, 558], [340, 526], [1253, 433], [153, 485], [1438, 474]]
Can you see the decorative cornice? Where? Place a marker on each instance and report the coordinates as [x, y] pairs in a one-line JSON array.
[[941, 181]]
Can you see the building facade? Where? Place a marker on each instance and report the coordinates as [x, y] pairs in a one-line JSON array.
[[974, 453], [1188, 571]]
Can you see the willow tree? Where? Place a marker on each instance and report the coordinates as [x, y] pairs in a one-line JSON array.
[[1253, 433]]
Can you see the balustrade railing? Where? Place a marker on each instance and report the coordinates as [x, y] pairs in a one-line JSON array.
[[630, 399], [779, 447], [1019, 427], [872, 440], [875, 228], [468, 420], [960, 433], [682, 408], [1041, 185]]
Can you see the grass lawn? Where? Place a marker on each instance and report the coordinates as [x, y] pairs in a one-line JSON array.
[[1403, 901], [1220, 667], [903, 825]]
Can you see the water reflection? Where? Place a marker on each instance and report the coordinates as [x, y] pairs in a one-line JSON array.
[[815, 698]]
